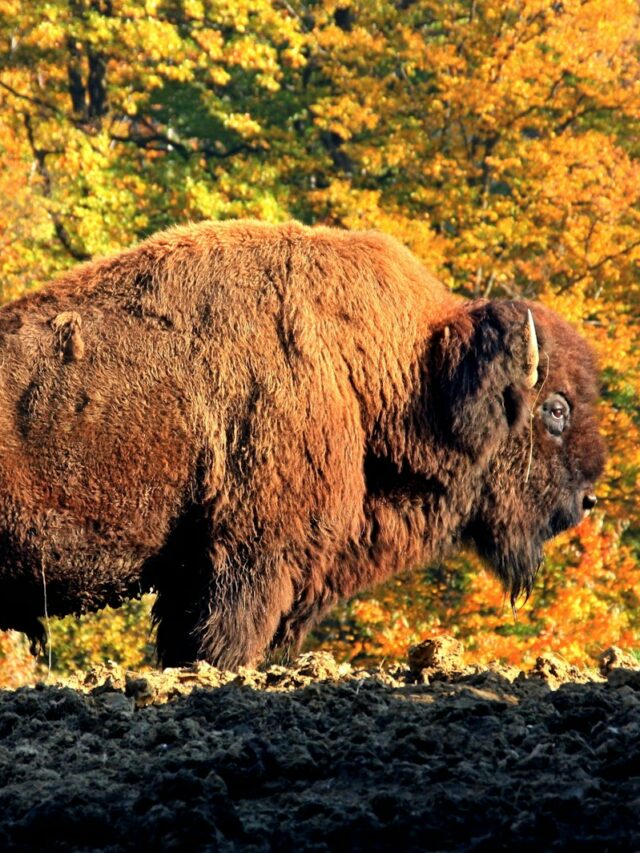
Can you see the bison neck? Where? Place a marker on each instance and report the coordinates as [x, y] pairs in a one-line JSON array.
[[404, 527], [403, 532]]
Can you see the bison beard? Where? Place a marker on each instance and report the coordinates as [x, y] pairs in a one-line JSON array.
[[256, 421]]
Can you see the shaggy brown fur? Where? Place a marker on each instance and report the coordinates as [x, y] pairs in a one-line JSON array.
[[258, 420]]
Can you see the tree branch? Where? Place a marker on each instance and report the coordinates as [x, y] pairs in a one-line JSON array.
[[37, 101], [593, 267], [58, 226]]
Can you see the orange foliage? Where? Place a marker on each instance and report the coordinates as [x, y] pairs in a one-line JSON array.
[[17, 666]]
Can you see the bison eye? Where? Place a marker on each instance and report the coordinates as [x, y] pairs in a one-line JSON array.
[[555, 414]]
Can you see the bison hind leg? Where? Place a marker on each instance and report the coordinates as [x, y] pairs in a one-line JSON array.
[[37, 636], [175, 621], [179, 576]]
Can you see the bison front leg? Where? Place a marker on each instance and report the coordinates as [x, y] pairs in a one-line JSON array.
[[226, 614], [247, 602]]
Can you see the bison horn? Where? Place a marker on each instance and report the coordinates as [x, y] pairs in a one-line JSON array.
[[533, 355]]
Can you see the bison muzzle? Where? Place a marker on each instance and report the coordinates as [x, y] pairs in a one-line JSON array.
[[256, 421]]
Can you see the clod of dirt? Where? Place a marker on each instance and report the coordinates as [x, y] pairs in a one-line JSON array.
[[321, 666], [156, 688], [616, 658], [107, 676], [555, 670], [441, 654], [308, 668]]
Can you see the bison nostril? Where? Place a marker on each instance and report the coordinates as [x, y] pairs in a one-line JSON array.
[[588, 502]]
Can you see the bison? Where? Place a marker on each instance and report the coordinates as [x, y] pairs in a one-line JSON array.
[[256, 421]]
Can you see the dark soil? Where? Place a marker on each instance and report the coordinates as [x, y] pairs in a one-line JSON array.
[[321, 757]]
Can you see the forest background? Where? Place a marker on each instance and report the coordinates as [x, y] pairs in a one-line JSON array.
[[498, 140]]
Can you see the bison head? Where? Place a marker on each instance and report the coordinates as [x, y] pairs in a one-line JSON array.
[[518, 388]]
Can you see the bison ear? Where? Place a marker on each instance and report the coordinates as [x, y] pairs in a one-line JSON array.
[[483, 360]]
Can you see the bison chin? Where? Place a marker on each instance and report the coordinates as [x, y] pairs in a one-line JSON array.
[[514, 553], [514, 558]]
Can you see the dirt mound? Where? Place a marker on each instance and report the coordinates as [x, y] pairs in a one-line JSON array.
[[321, 756]]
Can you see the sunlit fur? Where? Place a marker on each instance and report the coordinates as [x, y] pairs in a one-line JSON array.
[[258, 420]]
